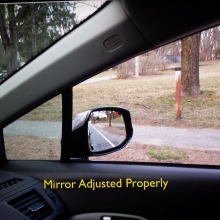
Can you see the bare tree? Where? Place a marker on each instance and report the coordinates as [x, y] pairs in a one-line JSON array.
[[210, 41], [190, 65], [151, 63], [173, 49], [125, 69], [148, 64]]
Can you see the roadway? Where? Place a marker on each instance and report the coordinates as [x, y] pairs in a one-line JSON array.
[[103, 140], [208, 139]]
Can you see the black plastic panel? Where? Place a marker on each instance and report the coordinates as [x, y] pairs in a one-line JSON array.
[[162, 22], [106, 216], [17, 199], [190, 193], [7, 178]]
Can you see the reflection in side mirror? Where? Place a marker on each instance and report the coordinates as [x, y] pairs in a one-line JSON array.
[[100, 131], [106, 130]]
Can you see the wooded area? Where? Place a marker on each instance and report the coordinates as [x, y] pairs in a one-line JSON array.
[[26, 29]]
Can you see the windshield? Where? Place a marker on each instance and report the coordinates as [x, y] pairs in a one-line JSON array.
[[27, 29]]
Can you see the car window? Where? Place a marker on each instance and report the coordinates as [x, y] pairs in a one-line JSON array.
[[27, 29], [146, 86], [164, 131], [36, 135]]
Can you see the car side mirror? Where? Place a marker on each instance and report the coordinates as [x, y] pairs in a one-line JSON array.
[[100, 131]]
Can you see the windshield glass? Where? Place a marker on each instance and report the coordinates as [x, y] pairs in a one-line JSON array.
[[27, 29]]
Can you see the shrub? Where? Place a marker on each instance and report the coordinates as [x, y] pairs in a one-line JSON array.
[[149, 63]]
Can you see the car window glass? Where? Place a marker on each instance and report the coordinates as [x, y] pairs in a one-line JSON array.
[[29, 28], [146, 86], [36, 135]]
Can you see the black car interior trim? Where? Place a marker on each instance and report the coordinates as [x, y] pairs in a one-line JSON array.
[[190, 187], [67, 109]]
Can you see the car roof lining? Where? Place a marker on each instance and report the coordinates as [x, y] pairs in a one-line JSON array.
[[162, 22]]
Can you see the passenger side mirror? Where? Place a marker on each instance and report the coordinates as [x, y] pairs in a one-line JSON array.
[[100, 131]]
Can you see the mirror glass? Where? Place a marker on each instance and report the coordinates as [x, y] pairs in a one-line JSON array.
[[106, 130]]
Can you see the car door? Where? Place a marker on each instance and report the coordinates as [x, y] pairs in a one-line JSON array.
[[87, 189]]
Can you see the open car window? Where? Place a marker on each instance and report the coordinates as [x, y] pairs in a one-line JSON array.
[[150, 96], [28, 29], [145, 85]]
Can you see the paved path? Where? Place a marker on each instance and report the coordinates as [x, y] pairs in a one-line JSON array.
[[34, 128], [160, 136], [178, 137]]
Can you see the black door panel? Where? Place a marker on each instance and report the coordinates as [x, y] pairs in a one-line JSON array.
[[192, 192]]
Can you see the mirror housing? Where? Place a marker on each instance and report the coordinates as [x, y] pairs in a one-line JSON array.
[[82, 140]]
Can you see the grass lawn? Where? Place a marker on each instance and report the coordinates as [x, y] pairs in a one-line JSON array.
[[150, 99], [33, 148], [166, 153], [105, 73], [49, 111]]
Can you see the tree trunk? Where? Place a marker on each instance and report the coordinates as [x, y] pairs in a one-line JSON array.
[[109, 116], [9, 43], [34, 32], [13, 39], [3, 32], [190, 65]]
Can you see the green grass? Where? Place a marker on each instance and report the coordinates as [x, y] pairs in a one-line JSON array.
[[121, 128], [49, 111], [117, 120], [166, 153]]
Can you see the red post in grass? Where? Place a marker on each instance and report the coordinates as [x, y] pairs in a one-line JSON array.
[[178, 92]]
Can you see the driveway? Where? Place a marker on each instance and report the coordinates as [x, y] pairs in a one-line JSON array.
[[92, 80], [178, 137]]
